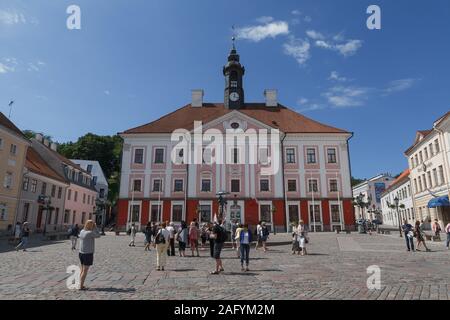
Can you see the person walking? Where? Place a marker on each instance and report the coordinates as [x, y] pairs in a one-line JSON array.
[[219, 235], [171, 246], [437, 229], [408, 231], [182, 238], [295, 239], [193, 238], [264, 235], [245, 239], [161, 242], [132, 235], [420, 235], [24, 236], [302, 237], [203, 236], [74, 232], [87, 248], [17, 231], [258, 235], [210, 237], [148, 236], [447, 231], [239, 228], [234, 242]]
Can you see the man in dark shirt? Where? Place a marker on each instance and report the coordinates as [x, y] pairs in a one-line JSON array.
[[219, 240], [409, 235]]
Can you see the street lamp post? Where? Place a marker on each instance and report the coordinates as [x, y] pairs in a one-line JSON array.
[[359, 201], [396, 201]]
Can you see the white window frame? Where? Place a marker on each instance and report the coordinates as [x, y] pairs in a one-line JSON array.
[[156, 203], [287, 185], [3, 212], [286, 154], [267, 203], [134, 155], [206, 203], [182, 186], [161, 185], [201, 184], [154, 155], [259, 183], [130, 213], [335, 155], [240, 185], [317, 183], [183, 211], [311, 222]]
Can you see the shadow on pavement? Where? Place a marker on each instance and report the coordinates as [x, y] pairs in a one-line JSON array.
[[183, 270], [115, 290], [33, 243]]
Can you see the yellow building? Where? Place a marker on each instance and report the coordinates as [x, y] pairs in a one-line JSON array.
[[13, 149]]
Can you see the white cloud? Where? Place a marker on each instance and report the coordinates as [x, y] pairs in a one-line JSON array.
[[400, 85], [302, 101], [312, 107], [315, 35], [334, 76], [349, 48], [35, 66], [261, 32], [346, 96], [307, 19], [298, 48], [11, 17], [296, 12], [323, 44], [107, 92], [264, 19], [8, 65]]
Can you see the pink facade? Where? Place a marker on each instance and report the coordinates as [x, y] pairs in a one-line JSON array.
[[80, 211]]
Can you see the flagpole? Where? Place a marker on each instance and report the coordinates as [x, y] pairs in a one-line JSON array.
[[339, 202], [313, 204]]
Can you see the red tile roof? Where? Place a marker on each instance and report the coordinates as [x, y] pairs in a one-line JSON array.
[[400, 179], [4, 121], [36, 164], [280, 117]]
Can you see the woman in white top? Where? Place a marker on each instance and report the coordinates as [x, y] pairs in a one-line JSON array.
[[302, 237]]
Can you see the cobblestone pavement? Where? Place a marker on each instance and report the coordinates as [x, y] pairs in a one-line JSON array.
[[336, 268]]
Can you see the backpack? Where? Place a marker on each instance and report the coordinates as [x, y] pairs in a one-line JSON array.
[[160, 238], [265, 232], [70, 231]]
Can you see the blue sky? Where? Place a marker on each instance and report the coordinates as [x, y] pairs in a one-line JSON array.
[[136, 60]]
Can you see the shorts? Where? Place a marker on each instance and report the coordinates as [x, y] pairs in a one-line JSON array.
[[182, 245], [86, 259], [217, 249]]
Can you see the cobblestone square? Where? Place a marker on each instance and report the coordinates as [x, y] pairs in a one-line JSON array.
[[336, 268]]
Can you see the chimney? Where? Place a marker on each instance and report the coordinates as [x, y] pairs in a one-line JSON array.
[[46, 142], [197, 98], [38, 137], [271, 97], [54, 146]]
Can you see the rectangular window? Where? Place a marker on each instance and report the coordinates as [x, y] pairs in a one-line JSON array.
[[205, 213], [312, 185], [437, 149], [157, 185], [74, 214], [83, 217], [430, 146], [207, 156], [430, 182], [424, 181], [293, 213], [59, 192], [417, 159], [56, 216], [66, 216], [135, 210], [102, 193], [235, 155], [26, 211], [420, 157], [335, 213], [3, 211], [290, 155], [13, 149], [44, 188], [310, 155], [292, 185], [49, 217], [235, 185], [441, 175], [266, 213], [89, 168], [435, 176], [264, 156], [69, 194], [420, 184], [7, 182], [233, 84], [139, 156], [425, 151], [76, 196], [412, 162], [206, 185], [331, 155], [137, 185], [415, 186], [177, 212], [178, 187], [53, 191], [1, 143], [25, 184], [264, 185], [333, 185], [159, 155], [314, 213], [155, 213]]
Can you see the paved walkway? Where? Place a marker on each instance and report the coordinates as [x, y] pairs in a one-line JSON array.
[[335, 269]]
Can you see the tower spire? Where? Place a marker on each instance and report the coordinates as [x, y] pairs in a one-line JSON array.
[[233, 72]]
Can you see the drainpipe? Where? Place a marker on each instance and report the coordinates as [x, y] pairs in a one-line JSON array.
[[350, 174], [286, 212]]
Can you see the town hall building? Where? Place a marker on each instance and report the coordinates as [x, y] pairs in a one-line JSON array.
[[164, 180]]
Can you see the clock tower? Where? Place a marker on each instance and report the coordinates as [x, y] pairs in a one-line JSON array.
[[233, 72]]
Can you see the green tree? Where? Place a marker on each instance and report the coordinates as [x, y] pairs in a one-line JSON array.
[[356, 181]]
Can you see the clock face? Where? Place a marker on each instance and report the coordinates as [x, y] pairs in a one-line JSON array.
[[234, 96]]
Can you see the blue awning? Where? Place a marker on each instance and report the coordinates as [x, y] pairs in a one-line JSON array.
[[439, 202]]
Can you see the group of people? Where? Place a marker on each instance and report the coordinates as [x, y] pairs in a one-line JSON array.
[[21, 235], [417, 231], [300, 238]]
